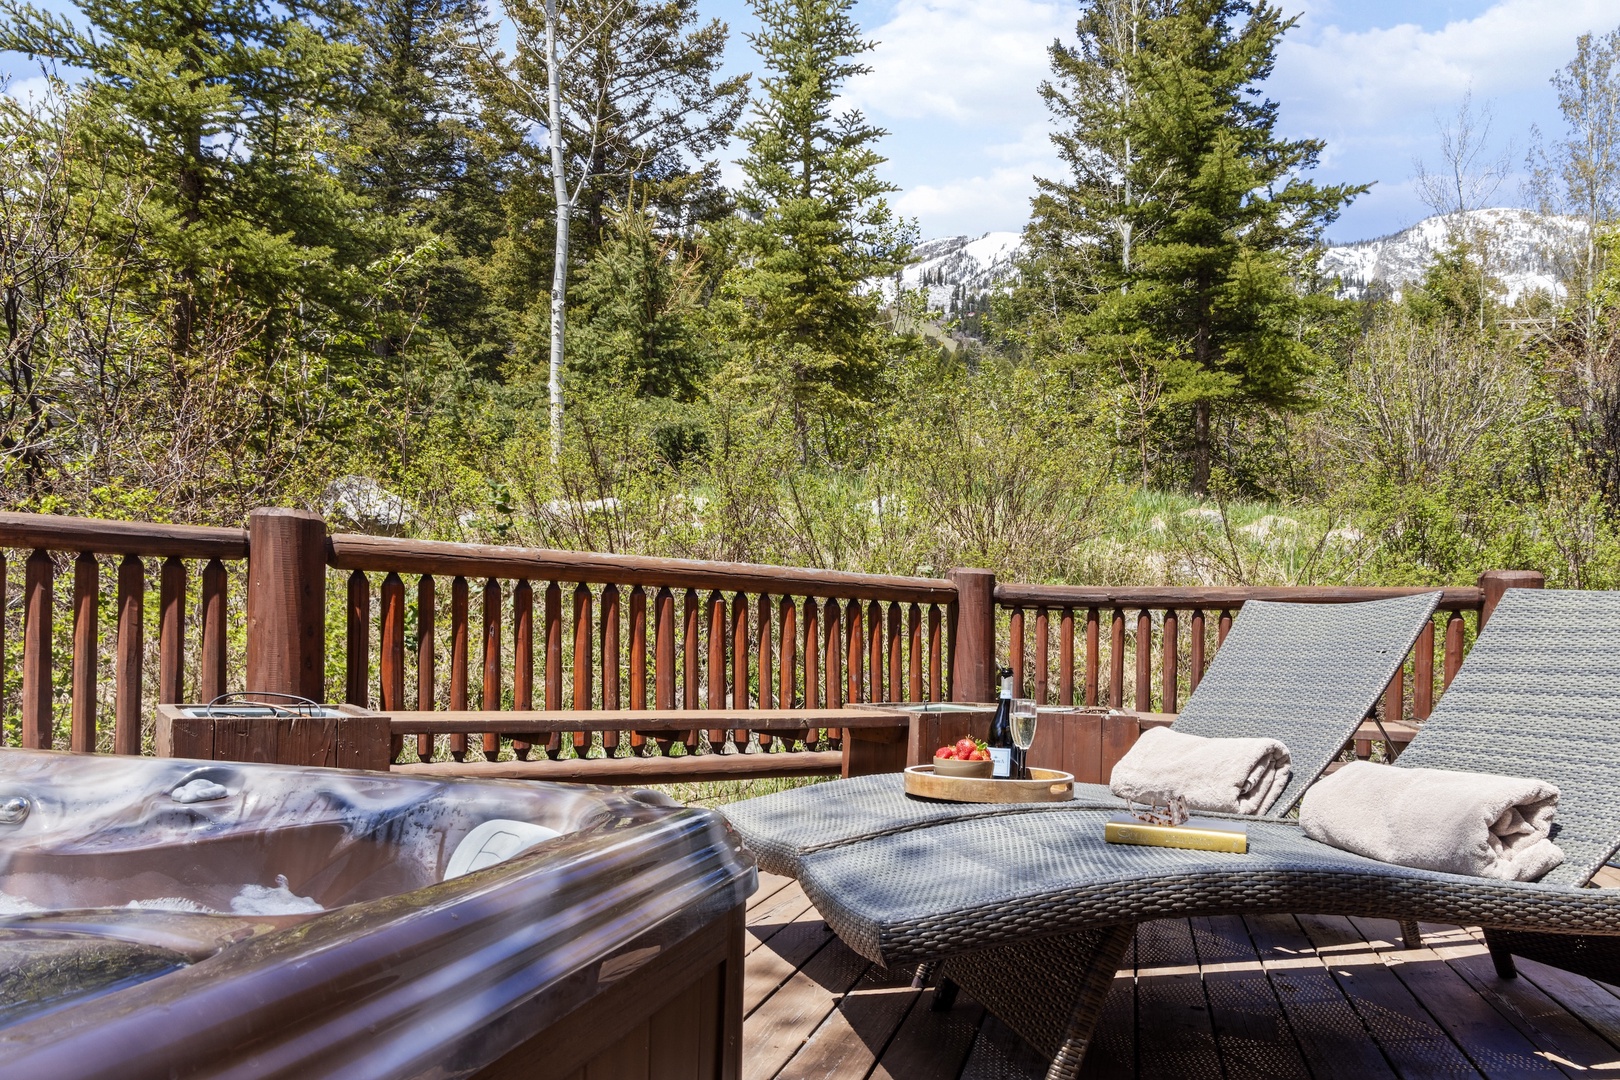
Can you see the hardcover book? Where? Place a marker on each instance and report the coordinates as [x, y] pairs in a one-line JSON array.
[[1197, 834]]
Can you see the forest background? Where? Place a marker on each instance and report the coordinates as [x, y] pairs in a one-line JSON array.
[[324, 254]]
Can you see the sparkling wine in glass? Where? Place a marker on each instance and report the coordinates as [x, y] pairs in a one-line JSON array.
[[1023, 732]]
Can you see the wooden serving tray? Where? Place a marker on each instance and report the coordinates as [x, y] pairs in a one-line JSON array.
[[1048, 785]]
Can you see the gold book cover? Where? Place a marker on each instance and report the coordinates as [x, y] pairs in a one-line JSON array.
[[1198, 834]]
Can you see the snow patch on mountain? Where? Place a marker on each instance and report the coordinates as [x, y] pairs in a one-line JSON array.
[[1523, 249]]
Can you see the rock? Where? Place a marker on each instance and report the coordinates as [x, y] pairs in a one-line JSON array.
[[1270, 526], [565, 507], [1158, 525], [1206, 514], [367, 505], [1348, 537]]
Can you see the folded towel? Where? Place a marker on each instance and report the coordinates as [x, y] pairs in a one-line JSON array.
[[1226, 776], [1434, 819]]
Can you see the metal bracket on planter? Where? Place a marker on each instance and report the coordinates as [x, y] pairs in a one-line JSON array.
[[299, 706]]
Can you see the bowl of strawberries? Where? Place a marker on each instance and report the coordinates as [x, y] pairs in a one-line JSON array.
[[967, 756]]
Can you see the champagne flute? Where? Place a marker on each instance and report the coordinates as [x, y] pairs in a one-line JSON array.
[[1024, 716]]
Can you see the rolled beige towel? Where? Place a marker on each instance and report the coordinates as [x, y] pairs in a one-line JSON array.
[[1225, 776], [1476, 824]]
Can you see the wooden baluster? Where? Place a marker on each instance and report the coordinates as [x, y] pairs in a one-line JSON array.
[[692, 659], [215, 583], [855, 655], [1423, 673], [812, 656], [1222, 628], [1196, 647], [358, 657], [787, 661], [492, 664], [171, 631], [131, 651], [1015, 649], [638, 659], [584, 688], [739, 664], [1144, 661], [38, 603], [718, 741], [767, 667], [1170, 657], [553, 616], [522, 658], [459, 599], [1394, 705], [953, 612], [914, 654], [896, 677], [86, 607], [936, 650], [1093, 659], [391, 654], [1454, 648], [610, 662], [874, 652], [1066, 658], [5, 608], [664, 649], [1043, 654], [833, 639], [1116, 660], [426, 698]]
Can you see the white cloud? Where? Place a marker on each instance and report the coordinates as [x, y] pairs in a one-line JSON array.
[[961, 61], [30, 92], [970, 205], [1366, 78]]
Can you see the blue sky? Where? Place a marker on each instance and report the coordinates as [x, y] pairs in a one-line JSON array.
[[954, 82]]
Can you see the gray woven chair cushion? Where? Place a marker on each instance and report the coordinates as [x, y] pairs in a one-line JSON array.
[[1303, 673], [952, 888], [1539, 696]]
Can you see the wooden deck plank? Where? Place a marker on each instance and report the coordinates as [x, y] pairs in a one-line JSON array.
[[1170, 1004], [1414, 1044], [1496, 1049], [786, 908], [999, 1054], [851, 1038], [1251, 1030], [931, 1045], [782, 1024], [1589, 1001], [769, 886], [774, 961], [1335, 1043], [1558, 1034]]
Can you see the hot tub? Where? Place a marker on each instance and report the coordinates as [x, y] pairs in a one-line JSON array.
[[167, 918]]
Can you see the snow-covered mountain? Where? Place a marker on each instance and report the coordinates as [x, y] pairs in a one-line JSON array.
[[1523, 245], [1522, 248]]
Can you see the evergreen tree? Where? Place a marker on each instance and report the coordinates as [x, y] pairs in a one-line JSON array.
[[817, 224], [1168, 257]]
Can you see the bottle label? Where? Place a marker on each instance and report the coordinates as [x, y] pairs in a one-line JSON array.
[[1001, 762]]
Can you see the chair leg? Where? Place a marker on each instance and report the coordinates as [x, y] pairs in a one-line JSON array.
[[925, 974], [1411, 936], [1049, 990], [945, 995], [1501, 957]]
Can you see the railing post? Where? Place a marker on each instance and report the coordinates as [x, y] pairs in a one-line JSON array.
[[286, 603], [973, 670], [1496, 582]]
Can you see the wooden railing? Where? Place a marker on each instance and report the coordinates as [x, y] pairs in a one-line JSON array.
[[637, 634], [119, 549], [724, 661], [1160, 640]]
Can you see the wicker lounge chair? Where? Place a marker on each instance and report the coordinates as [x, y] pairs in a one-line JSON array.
[[1032, 913], [1307, 674]]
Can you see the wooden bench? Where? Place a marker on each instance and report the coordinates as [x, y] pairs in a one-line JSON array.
[[872, 740]]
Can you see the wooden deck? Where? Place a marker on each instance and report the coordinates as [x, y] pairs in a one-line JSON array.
[[1262, 996]]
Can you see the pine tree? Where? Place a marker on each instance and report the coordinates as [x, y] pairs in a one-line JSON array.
[[1168, 257], [817, 223]]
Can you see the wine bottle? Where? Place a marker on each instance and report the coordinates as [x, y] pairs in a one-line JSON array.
[[1000, 741]]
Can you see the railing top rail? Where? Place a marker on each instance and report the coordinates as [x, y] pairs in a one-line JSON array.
[[354, 551], [52, 532], [1454, 598]]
